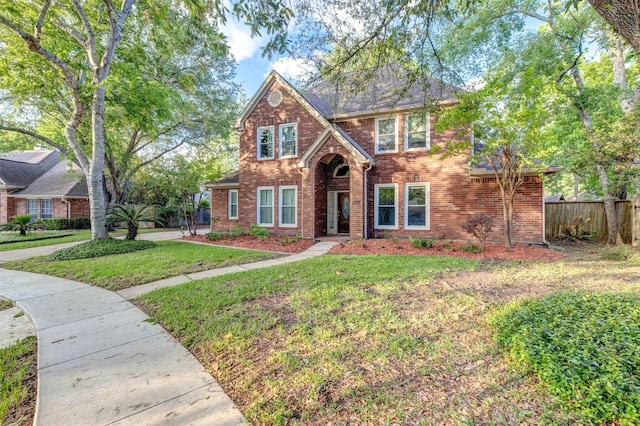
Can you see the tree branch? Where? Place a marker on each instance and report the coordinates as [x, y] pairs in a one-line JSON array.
[[44, 139], [90, 44], [37, 31]]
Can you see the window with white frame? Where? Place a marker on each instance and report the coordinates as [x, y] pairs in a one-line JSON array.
[[386, 206], [416, 209], [265, 143], [288, 146], [265, 206], [287, 206], [32, 207], [233, 204], [386, 135], [46, 209], [416, 131]]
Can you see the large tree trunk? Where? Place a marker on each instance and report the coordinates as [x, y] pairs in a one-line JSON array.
[[94, 177]]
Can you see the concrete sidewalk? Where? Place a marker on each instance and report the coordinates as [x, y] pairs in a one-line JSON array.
[[101, 362]]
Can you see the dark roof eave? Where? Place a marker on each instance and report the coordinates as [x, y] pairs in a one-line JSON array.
[[482, 172]]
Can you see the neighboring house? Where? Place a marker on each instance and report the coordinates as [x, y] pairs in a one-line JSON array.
[[329, 162], [41, 184]]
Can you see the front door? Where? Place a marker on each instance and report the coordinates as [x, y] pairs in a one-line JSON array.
[[344, 212]]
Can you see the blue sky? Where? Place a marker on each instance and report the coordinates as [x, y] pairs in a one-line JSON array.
[[252, 67]]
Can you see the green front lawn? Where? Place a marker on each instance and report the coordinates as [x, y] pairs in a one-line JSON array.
[[13, 241], [382, 339], [18, 370], [168, 259]]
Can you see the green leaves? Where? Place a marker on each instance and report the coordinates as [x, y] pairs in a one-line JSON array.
[[584, 347]]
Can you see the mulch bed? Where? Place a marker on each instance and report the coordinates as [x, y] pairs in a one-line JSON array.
[[447, 248], [491, 251], [278, 244]]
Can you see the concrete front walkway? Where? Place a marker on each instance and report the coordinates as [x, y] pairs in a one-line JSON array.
[[102, 362]]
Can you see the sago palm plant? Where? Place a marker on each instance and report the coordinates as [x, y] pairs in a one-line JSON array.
[[22, 223], [132, 215]]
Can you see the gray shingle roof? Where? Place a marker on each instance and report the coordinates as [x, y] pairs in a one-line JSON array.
[[59, 181], [229, 180], [383, 89], [19, 169]]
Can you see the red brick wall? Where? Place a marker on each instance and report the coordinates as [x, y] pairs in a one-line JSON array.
[[79, 207], [4, 208], [454, 196]]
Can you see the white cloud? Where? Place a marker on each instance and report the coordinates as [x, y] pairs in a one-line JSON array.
[[291, 68], [241, 45]]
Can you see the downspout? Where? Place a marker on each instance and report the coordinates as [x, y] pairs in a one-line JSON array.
[[366, 190], [68, 206], [302, 197]]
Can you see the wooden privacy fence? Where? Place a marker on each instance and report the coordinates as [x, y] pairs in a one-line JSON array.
[[558, 212]]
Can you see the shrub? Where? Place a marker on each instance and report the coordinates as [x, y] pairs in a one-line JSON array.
[[98, 248], [584, 347], [422, 242], [480, 226], [576, 229], [620, 252], [60, 224], [22, 223], [259, 231], [471, 248], [215, 236], [289, 239], [132, 215], [168, 215]]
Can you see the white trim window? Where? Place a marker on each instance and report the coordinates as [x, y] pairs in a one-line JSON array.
[[386, 206], [233, 204], [416, 132], [265, 142], [264, 214], [46, 208], [32, 207], [288, 140], [287, 206], [416, 205], [386, 135]]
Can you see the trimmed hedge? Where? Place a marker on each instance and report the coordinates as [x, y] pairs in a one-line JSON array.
[[59, 224]]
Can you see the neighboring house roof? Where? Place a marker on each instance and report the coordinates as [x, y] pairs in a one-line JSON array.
[[385, 89], [484, 169], [58, 182], [19, 169], [553, 198], [229, 181]]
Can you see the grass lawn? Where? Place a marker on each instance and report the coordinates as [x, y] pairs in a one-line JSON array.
[[375, 339], [28, 241], [168, 259], [18, 369], [18, 242]]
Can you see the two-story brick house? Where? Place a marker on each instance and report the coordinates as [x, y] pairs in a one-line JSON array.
[[358, 165]]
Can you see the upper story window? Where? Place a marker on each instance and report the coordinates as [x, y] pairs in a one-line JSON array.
[[386, 135], [288, 140], [265, 143], [416, 131]]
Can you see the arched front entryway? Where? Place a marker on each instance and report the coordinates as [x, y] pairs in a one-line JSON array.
[[333, 196]]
